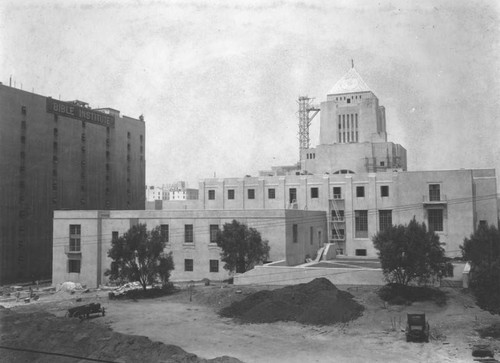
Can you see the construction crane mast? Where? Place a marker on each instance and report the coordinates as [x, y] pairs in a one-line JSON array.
[[307, 112]]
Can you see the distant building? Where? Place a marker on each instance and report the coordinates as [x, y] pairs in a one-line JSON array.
[[156, 193], [60, 155], [175, 191]]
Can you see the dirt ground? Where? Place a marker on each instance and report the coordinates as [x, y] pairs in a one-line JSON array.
[[189, 320]]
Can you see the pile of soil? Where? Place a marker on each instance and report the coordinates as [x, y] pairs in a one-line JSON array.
[[23, 336], [318, 302]]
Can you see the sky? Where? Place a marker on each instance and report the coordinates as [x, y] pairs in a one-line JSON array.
[[218, 81]]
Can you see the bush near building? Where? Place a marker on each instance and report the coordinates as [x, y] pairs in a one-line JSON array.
[[138, 256], [411, 254], [482, 250], [242, 247]]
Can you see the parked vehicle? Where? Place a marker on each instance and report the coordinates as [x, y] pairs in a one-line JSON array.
[[84, 311], [417, 328]]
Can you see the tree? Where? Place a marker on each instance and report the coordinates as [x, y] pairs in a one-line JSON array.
[[138, 256], [242, 247], [411, 253], [482, 250]]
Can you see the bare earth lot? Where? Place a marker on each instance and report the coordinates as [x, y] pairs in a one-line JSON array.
[[194, 326]]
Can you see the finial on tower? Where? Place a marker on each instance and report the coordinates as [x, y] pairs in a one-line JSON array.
[[352, 63]]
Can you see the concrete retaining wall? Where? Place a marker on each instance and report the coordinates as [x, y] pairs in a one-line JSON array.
[[285, 275]]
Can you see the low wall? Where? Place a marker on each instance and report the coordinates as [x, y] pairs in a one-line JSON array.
[[287, 275]]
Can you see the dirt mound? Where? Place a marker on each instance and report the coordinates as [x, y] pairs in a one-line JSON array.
[[318, 302], [66, 338]]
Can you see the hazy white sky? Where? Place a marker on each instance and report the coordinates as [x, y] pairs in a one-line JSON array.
[[217, 81]]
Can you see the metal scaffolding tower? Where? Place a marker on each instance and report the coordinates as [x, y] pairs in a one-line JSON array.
[[305, 109]]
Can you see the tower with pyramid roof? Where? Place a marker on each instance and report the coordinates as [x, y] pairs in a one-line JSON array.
[[353, 136]]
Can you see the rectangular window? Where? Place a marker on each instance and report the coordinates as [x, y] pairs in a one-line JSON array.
[[435, 217], [360, 192], [434, 192], [314, 192], [188, 264], [251, 193], [75, 237], [293, 195], [164, 232], [384, 219], [114, 235], [295, 233], [188, 233], [271, 193], [384, 190], [361, 223], [214, 229], [211, 194], [361, 252], [311, 235], [230, 194], [337, 193], [74, 266], [214, 265]]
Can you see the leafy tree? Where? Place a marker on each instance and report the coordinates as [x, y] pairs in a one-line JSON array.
[[242, 247], [482, 250], [410, 253], [138, 256]]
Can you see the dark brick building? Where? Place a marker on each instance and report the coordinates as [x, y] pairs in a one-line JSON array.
[[60, 155]]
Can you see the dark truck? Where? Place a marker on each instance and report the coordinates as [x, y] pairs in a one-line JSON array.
[[84, 311], [417, 328]]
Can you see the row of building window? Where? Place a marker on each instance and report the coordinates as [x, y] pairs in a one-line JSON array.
[[271, 193], [74, 265], [434, 218], [188, 233], [434, 193], [189, 265], [311, 155], [348, 99]]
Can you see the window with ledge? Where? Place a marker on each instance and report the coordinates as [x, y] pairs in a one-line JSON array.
[[251, 193], [74, 266], [214, 265], [211, 194], [271, 193], [230, 194], [337, 192], [434, 192], [214, 230], [114, 235], [164, 232], [188, 264], [188, 233], [75, 236], [435, 220], [314, 192], [384, 219], [361, 223], [384, 190], [360, 192], [295, 233]]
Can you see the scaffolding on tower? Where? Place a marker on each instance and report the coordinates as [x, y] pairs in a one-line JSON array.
[[307, 112]]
